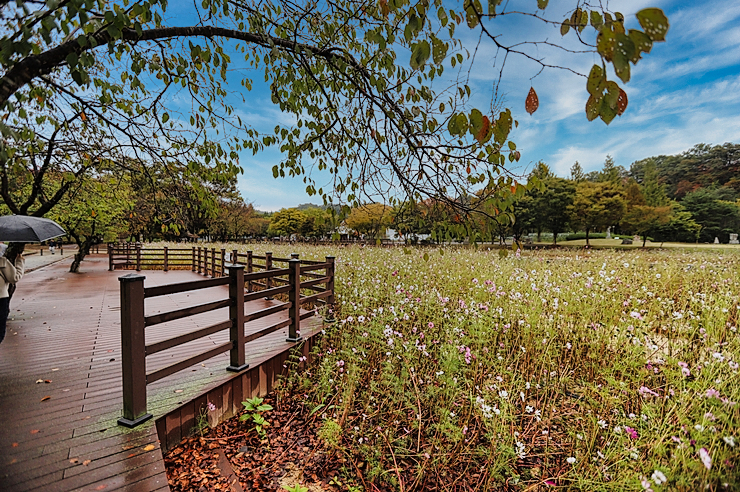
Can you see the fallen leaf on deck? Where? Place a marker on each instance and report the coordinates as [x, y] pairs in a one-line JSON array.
[[39, 381], [47, 381], [35, 431], [15, 444], [86, 462], [100, 487], [74, 461], [55, 369], [47, 397], [149, 447]]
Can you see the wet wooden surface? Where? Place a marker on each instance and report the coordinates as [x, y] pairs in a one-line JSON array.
[[65, 329]]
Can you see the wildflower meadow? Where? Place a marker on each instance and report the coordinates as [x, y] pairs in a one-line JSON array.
[[464, 369]]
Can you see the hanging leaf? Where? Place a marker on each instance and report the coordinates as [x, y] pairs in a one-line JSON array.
[[621, 102], [654, 22], [532, 102], [593, 105], [485, 128], [542, 4], [564, 27]]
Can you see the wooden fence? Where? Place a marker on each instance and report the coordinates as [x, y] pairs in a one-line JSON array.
[[297, 275]]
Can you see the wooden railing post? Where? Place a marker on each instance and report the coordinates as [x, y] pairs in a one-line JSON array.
[[205, 261], [166, 259], [294, 296], [110, 258], [330, 288], [236, 314], [200, 259], [294, 256], [138, 257], [213, 262], [223, 263], [235, 257], [192, 263], [133, 350], [268, 266], [249, 270]]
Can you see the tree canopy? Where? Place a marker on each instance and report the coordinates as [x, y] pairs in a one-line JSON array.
[[361, 79]]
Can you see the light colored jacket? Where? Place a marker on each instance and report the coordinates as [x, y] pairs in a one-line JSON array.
[[10, 274]]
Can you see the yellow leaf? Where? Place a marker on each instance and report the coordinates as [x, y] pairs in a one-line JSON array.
[[149, 447]]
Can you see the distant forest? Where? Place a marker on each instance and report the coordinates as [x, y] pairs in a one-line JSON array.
[[703, 166]]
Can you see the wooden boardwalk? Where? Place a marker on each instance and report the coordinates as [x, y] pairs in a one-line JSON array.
[[60, 379]]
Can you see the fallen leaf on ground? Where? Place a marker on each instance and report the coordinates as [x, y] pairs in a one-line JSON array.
[[74, 461], [15, 444], [55, 369], [47, 381], [100, 487], [35, 431], [86, 462], [39, 381], [149, 447], [47, 397]]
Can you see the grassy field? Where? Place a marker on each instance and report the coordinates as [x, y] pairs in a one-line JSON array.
[[465, 370]]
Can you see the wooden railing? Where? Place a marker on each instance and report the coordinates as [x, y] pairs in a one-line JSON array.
[[272, 282]]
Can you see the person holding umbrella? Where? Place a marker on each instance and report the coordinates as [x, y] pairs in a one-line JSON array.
[[10, 273], [21, 229]]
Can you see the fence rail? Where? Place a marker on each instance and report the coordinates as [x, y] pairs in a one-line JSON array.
[[293, 279]]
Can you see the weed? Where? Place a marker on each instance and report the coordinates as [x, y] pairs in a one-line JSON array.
[[255, 409]]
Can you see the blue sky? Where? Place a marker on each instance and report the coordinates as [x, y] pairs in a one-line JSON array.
[[683, 93]]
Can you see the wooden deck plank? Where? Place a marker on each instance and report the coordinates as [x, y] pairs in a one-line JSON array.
[[66, 328]]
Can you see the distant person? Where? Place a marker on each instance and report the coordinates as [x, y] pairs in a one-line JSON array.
[[52, 245], [10, 273]]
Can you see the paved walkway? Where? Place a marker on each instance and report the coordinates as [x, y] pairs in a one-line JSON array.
[[60, 378]]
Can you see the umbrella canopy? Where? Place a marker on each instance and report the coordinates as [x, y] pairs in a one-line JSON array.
[[27, 229]]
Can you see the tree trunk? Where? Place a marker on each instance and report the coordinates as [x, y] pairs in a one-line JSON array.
[[587, 243], [644, 239], [83, 249]]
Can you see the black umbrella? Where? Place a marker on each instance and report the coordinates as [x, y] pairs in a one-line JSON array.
[[27, 229]]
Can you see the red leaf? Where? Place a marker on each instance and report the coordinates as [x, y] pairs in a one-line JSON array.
[[621, 102], [47, 397], [484, 129], [532, 102]]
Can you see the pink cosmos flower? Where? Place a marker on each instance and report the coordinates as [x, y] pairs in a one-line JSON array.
[[645, 391], [631, 432]]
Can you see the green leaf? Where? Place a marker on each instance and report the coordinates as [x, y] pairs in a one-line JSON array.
[[596, 20], [420, 54], [492, 4], [654, 22], [642, 42], [596, 81], [165, 117], [593, 106], [472, 9], [439, 50], [542, 4], [605, 43], [623, 53], [607, 113], [565, 27], [476, 121], [426, 256]]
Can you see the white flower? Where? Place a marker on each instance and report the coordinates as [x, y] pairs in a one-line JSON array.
[[658, 477], [602, 424], [729, 440], [570, 460], [503, 394], [705, 458]]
